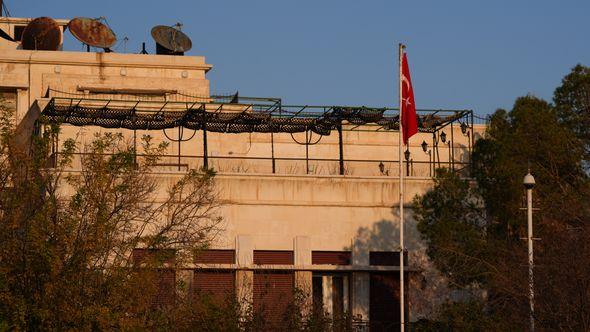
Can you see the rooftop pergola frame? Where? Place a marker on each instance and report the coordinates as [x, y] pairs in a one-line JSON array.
[[233, 114]]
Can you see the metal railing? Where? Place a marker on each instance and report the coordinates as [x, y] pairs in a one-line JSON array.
[[291, 165]]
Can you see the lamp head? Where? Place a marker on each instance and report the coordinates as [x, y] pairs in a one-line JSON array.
[[464, 128], [528, 181], [407, 154], [424, 146]]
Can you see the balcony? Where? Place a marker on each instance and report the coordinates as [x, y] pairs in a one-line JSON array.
[[263, 136]]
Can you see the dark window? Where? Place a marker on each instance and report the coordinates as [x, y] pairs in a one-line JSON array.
[[331, 257], [154, 257], [217, 286], [273, 293], [18, 32], [9, 99], [384, 307], [337, 297], [157, 265], [318, 294], [216, 256], [273, 257], [333, 287], [386, 258]]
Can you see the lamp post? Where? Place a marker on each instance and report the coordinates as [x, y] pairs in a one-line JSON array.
[[382, 169], [529, 183], [435, 152], [429, 152], [407, 157], [443, 138], [464, 128], [466, 133]]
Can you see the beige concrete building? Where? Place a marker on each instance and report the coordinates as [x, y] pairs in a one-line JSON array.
[[320, 216]]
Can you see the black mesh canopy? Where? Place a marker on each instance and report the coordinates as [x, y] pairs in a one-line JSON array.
[[230, 118]]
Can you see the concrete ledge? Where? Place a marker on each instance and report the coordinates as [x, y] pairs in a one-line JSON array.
[[334, 268], [105, 59]]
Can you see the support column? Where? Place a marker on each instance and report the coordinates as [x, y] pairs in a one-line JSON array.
[[22, 105], [361, 283], [272, 151], [205, 153], [327, 295], [341, 149], [184, 288], [179, 144], [307, 140], [135, 148], [452, 148], [244, 279], [303, 279], [471, 138]]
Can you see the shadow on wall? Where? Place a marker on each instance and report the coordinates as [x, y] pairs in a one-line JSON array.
[[26, 127], [427, 288], [383, 235]]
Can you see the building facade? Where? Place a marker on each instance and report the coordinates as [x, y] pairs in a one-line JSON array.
[[303, 210]]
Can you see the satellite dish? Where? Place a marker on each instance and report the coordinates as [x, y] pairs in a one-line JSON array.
[[170, 40], [92, 32], [42, 34]]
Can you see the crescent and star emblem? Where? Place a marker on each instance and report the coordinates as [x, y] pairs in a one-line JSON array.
[[407, 83]]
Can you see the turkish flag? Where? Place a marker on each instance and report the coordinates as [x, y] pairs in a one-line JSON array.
[[408, 107]]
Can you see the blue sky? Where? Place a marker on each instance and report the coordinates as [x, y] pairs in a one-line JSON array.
[[477, 55]]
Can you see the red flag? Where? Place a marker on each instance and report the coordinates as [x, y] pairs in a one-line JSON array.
[[408, 107]]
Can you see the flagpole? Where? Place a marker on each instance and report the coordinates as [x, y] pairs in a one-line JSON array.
[[401, 198]]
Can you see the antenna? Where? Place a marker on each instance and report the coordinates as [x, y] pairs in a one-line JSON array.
[[92, 32], [235, 99], [4, 12], [42, 34], [125, 40], [170, 40], [143, 51]]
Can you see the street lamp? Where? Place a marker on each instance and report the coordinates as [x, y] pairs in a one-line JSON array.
[[382, 169], [529, 183], [463, 128], [429, 152], [407, 156], [443, 138], [467, 133]]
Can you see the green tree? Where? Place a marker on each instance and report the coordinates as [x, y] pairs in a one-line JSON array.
[[489, 255], [572, 101], [529, 136], [451, 219], [67, 237]]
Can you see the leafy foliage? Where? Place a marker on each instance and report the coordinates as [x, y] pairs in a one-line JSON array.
[[490, 255], [529, 136], [461, 316], [67, 235], [572, 101], [451, 220]]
